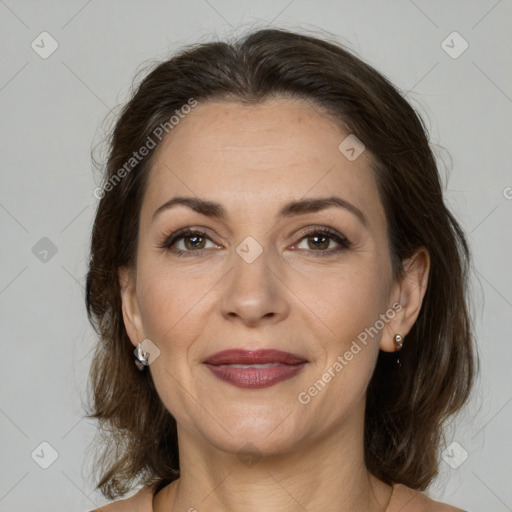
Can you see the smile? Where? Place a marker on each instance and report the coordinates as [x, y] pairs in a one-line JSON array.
[[254, 369]]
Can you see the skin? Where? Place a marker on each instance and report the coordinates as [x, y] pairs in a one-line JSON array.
[[253, 160]]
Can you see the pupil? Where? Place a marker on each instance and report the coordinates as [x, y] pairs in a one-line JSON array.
[[317, 238], [195, 241]]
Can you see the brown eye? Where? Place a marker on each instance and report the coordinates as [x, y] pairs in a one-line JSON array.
[[186, 242], [194, 242], [318, 242], [323, 241]]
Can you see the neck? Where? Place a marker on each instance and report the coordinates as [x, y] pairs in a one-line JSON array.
[[328, 474]]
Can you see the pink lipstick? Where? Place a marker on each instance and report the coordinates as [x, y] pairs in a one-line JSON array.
[[254, 369]]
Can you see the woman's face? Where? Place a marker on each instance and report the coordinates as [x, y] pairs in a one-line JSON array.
[[310, 281]]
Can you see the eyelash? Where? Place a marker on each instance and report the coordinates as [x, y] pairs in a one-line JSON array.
[[171, 239]]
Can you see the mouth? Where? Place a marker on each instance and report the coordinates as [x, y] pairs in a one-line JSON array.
[[254, 369]]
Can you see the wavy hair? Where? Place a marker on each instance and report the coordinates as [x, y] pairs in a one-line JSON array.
[[406, 406]]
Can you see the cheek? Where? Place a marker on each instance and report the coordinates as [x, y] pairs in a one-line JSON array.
[[348, 307], [170, 301], [346, 299], [170, 307]]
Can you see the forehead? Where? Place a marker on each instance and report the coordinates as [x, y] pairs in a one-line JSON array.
[[257, 155]]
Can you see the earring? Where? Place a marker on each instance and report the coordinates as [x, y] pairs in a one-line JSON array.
[[142, 358], [398, 344]]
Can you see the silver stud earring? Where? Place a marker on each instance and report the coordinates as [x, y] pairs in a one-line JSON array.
[[399, 343], [142, 358]]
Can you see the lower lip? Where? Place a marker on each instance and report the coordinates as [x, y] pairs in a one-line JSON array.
[[255, 378]]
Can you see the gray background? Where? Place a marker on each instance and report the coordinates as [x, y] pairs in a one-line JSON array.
[[52, 112]]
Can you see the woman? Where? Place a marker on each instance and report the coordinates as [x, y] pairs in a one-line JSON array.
[[278, 286]]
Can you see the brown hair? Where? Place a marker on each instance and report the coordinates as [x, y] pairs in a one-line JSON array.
[[407, 405]]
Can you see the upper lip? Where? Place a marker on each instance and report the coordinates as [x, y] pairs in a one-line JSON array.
[[240, 356]]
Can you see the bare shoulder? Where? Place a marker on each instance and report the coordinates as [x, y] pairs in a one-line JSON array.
[[405, 499], [443, 507], [140, 502]]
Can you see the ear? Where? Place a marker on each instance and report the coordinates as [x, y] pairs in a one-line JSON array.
[[131, 313], [408, 293]]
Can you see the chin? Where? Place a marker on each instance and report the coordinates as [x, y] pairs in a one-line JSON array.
[[266, 432]]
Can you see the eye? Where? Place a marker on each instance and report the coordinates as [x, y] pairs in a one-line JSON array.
[[320, 241], [187, 241]]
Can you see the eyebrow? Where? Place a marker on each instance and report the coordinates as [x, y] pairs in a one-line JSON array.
[[300, 207]]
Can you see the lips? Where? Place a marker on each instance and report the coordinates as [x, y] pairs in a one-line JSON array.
[[248, 357], [254, 369]]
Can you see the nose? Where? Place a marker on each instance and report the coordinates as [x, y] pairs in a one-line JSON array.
[[255, 293]]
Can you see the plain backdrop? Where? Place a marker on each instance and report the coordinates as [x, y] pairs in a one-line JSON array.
[[52, 112]]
